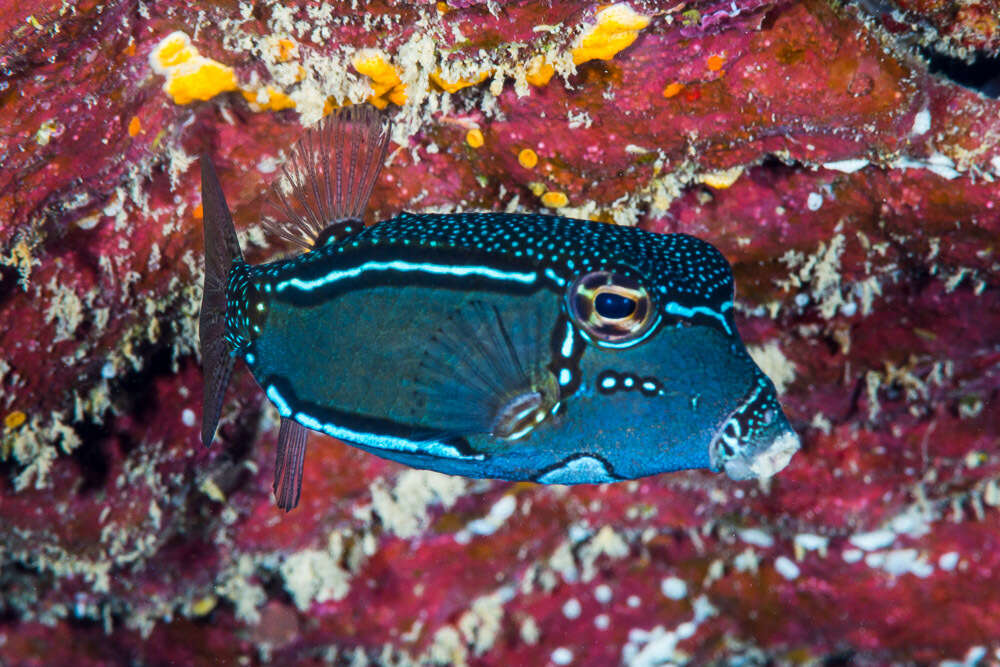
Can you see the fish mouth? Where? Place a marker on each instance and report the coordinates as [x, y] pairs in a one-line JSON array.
[[764, 463]]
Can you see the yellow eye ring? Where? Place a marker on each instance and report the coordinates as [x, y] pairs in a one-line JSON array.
[[611, 309]]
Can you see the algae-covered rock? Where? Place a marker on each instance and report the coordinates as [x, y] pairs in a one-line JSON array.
[[851, 183]]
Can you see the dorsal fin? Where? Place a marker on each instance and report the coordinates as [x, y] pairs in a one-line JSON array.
[[326, 182]]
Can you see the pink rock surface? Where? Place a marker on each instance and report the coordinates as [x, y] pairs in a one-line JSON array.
[[853, 191]]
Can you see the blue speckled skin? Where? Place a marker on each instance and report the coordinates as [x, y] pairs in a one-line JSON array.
[[341, 339]]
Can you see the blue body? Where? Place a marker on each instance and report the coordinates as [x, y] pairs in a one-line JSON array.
[[379, 340]]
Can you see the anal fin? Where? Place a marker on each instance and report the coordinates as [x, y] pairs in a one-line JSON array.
[[289, 463], [328, 178]]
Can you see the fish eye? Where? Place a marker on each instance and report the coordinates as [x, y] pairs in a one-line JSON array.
[[612, 306], [612, 309]]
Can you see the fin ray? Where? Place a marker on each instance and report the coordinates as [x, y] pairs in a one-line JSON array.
[[477, 370], [289, 464], [328, 178], [218, 368], [222, 250]]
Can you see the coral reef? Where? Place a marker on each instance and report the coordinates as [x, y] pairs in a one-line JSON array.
[[852, 185]]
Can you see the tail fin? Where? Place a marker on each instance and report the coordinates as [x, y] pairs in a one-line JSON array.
[[327, 180], [222, 250]]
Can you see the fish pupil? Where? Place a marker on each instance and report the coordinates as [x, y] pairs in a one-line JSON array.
[[613, 306]]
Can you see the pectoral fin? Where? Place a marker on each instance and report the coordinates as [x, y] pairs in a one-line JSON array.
[[481, 374]]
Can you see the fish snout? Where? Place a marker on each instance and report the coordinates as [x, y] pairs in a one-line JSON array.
[[763, 462], [755, 441]]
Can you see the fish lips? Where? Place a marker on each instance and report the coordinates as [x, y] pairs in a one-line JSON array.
[[763, 462]]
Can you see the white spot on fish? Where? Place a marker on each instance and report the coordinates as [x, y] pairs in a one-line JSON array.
[[814, 201], [187, 416]]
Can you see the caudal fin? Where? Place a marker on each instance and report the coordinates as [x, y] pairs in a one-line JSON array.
[[328, 178], [222, 250]]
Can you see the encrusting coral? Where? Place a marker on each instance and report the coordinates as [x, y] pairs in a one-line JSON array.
[[819, 145]]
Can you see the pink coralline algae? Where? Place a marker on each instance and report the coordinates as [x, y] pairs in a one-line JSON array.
[[848, 176]]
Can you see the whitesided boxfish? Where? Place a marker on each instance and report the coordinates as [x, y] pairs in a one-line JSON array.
[[511, 346]]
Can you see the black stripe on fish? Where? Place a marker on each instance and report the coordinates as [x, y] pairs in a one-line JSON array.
[[687, 278], [335, 274], [372, 432]]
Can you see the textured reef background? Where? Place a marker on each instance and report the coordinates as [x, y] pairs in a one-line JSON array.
[[844, 157]]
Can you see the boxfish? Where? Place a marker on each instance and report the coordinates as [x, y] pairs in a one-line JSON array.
[[512, 346]]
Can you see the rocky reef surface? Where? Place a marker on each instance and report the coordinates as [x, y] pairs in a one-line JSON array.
[[843, 156]]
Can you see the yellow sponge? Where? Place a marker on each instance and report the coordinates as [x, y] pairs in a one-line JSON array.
[[616, 27], [190, 76], [267, 98], [452, 86], [385, 82], [539, 71]]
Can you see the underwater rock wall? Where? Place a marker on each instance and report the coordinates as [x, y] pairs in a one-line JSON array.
[[846, 173]]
